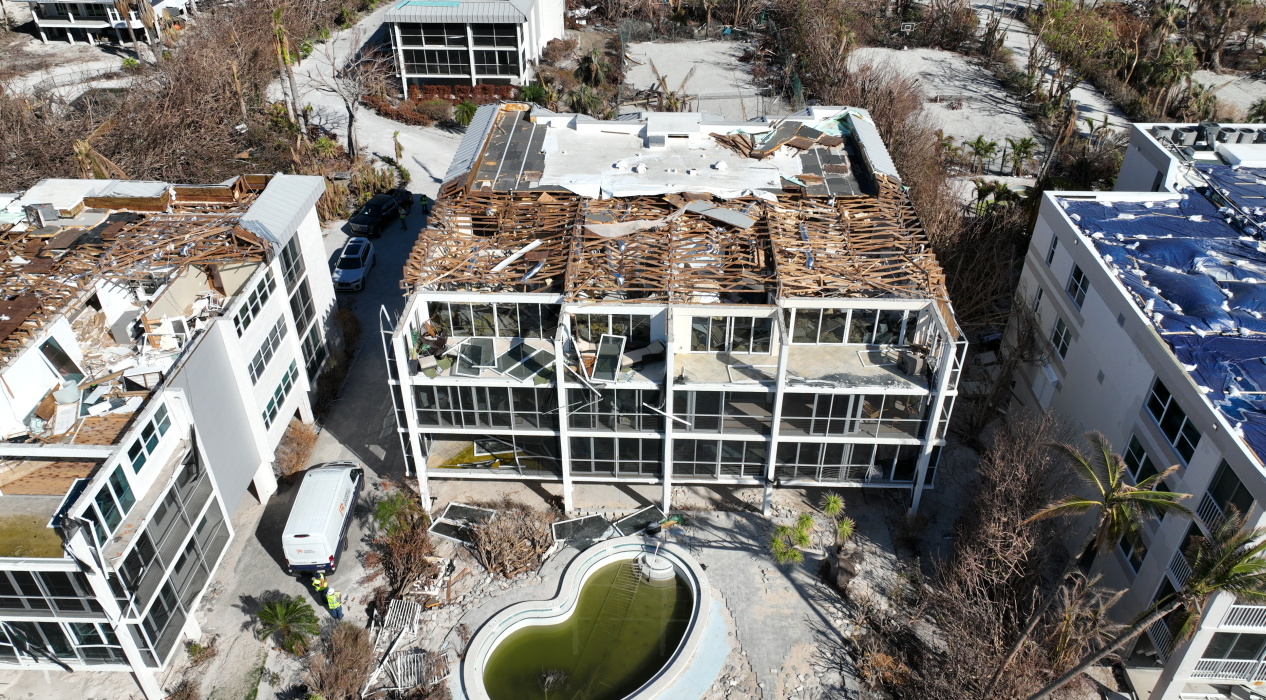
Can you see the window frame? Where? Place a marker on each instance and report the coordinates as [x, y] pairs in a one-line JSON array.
[[1162, 410], [728, 327], [267, 349], [1078, 285], [909, 320], [1050, 252], [254, 302], [152, 432], [280, 394], [1061, 337]]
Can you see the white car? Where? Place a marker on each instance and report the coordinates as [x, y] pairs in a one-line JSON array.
[[353, 265]]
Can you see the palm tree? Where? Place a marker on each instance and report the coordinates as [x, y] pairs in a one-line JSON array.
[[981, 150], [290, 618], [787, 539], [1257, 112], [833, 508], [464, 112], [593, 68], [1021, 152], [1122, 509], [584, 100], [1229, 561], [396, 510], [1165, 22]]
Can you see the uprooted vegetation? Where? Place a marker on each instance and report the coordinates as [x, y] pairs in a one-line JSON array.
[[515, 540], [341, 665], [402, 553]]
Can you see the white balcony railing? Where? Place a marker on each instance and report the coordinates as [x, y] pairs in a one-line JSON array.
[[1245, 616], [1210, 512], [1227, 670], [1161, 638], [1179, 569]]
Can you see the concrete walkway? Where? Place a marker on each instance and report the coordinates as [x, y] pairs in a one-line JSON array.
[[1091, 104]]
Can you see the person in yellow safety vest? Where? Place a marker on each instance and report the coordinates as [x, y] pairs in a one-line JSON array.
[[319, 583], [334, 600], [426, 205]]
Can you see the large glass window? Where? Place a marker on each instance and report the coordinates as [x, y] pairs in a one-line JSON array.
[[279, 395], [1230, 646], [437, 61], [1226, 491], [151, 432], [731, 334], [486, 407], [496, 63], [487, 320], [853, 326], [60, 360], [292, 267], [301, 306], [1133, 550], [614, 409], [635, 328], [869, 415], [1050, 252], [835, 462], [1137, 462], [1173, 421], [617, 456], [451, 34], [748, 413], [493, 34], [715, 459]]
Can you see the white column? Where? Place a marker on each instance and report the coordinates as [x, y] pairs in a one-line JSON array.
[[780, 387], [192, 630], [668, 409], [470, 53], [560, 376], [395, 36], [945, 369], [1185, 656], [265, 481]]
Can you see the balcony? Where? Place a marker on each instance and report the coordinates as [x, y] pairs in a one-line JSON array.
[[1229, 670], [1179, 569], [1210, 512], [1161, 638], [1245, 616]]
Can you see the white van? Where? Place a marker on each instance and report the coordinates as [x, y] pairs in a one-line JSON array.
[[316, 531]]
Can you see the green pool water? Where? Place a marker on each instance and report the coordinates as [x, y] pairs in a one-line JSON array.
[[619, 635]]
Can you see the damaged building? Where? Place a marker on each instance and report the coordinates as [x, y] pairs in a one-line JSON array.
[[155, 341], [672, 299], [1152, 297]]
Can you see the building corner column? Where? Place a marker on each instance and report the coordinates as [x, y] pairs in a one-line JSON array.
[[669, 360], [780, 386], [561, 334], [949, 356], [265, 482]]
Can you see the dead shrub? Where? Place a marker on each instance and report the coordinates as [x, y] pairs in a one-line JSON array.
[[185, 690], [295, 448], [515, 540], [339, 670], [879, 670], [557, 50], [201, 653], [435, 110]]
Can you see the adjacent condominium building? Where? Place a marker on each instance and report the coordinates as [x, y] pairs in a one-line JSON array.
[[468, 42], [673, 299], [99, 20], [1153, 303], [155, 340]]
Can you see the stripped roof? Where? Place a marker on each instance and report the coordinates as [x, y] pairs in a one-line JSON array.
[[46, 272], [463, 11], [498, 227]]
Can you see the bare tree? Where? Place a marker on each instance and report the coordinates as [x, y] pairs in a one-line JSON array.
[[363, 72]]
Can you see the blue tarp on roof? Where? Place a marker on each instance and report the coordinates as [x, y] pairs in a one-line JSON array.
[[1202, 282], [1246, 187]]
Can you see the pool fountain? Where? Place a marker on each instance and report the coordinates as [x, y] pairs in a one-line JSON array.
[[625, 624]]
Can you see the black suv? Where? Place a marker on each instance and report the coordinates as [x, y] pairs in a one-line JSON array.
[[380, 211]]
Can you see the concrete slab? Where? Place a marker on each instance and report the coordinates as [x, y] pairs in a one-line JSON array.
[[722, 83]]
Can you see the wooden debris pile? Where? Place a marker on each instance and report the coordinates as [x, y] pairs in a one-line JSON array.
[[795, 134], [49, 271]]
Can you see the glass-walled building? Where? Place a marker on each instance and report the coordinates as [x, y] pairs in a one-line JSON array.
[[669, 339]]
